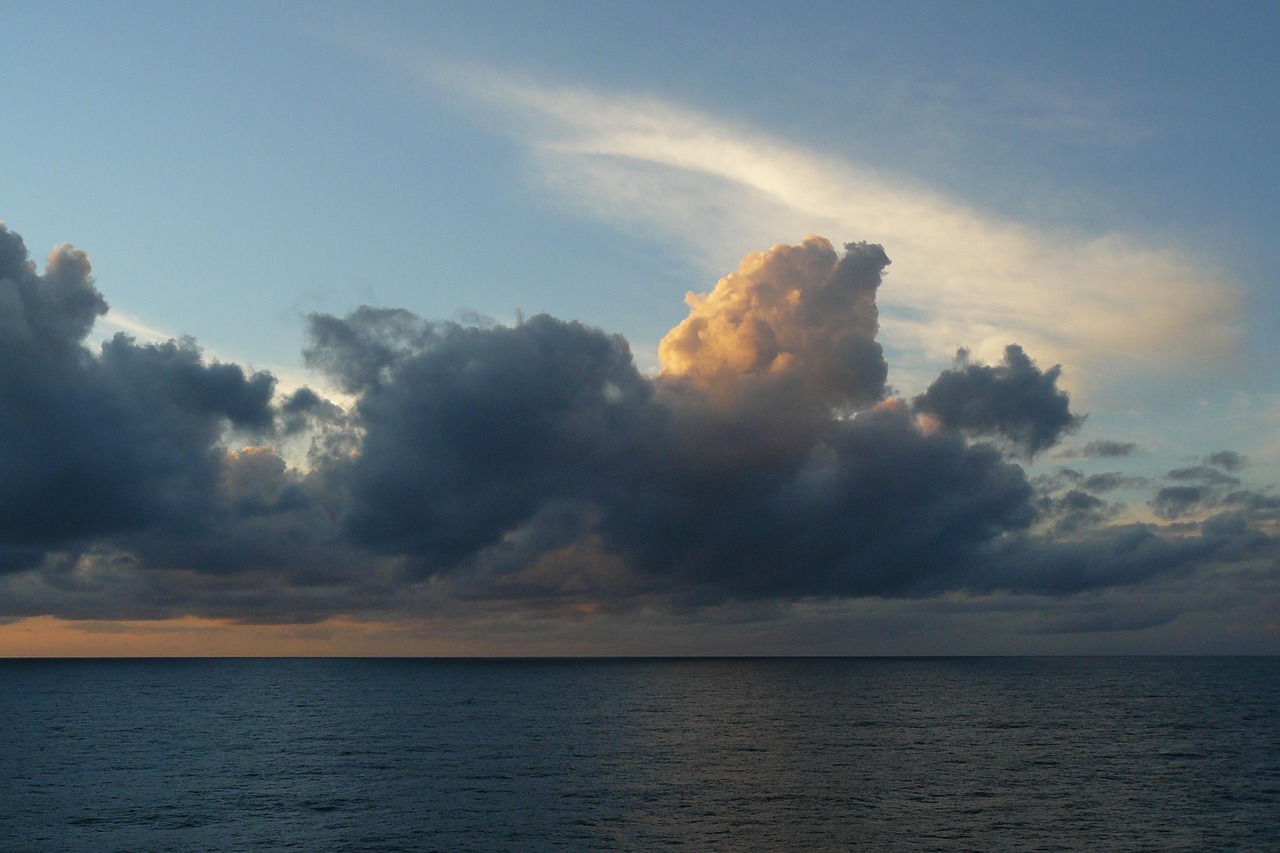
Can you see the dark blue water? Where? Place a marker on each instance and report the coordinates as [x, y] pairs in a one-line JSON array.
[[779, 754]]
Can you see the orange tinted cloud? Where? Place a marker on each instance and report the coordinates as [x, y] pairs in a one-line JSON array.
[[793, 312]]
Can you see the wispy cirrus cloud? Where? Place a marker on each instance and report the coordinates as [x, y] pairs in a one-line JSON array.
[[123, 321], [1109, 306]]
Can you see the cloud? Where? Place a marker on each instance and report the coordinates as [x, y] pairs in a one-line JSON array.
[[1227, 460], [1076, 510], [1176, 501], [95, 445], [762, 460], [119, 493], [1207, 487], [1107, 481], [1103, 449], [793, 314], [1111, 305], [1205, 474], [1108, 620], [1015, 400], [484, 470], [49, 312], [468, 431], [1113, 556]]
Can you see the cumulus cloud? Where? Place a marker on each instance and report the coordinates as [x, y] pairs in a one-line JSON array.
[[794, 314], [532, 468], [1077, 509], [468, 432], [1014, 399], [1206, 488], [763, 460], [1227, 460], [98, 444]]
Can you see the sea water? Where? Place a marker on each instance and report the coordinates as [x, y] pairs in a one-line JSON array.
[[947, 754]]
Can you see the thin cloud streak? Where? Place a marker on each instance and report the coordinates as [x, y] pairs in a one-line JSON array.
[[124, 322]]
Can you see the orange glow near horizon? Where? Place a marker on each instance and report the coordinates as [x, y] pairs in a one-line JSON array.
[[190, 636]]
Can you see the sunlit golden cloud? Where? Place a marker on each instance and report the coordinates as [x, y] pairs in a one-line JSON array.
[[792, 311]]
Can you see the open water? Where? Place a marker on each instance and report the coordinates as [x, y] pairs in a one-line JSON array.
[[948, 754]]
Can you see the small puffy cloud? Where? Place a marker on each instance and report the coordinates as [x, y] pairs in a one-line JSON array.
[[359, 352], [1227, 460], [1176, 501], [1201, 488], [1103, 449], [1109, 481], [1014, 399], [1205, 474], [254, 475], [1076, 509]]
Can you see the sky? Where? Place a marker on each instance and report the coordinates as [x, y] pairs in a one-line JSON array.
[[576, 328]]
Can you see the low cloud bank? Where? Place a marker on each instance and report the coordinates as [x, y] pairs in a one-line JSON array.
[[533, 468]]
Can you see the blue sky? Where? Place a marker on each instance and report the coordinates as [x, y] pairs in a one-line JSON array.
[[1093, 183]]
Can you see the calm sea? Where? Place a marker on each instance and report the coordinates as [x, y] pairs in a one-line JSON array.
[[985, 754]]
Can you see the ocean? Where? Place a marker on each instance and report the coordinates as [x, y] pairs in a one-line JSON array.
[[738, 754]]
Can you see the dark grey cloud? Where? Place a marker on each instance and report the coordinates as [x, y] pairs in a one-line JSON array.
[[1106, 449], [1203, 488], [873, 506], [1101, 482], [766, 489], [119, 496], [533, 467], [1263, 504], [1205, 474], [1176, 501], [1115, 555], [1014, 399], [1077, 509], [1227, 460], [47, 314], [1108, 619], [1109, 481], [95, 444], [469, 431], [359, 352]]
